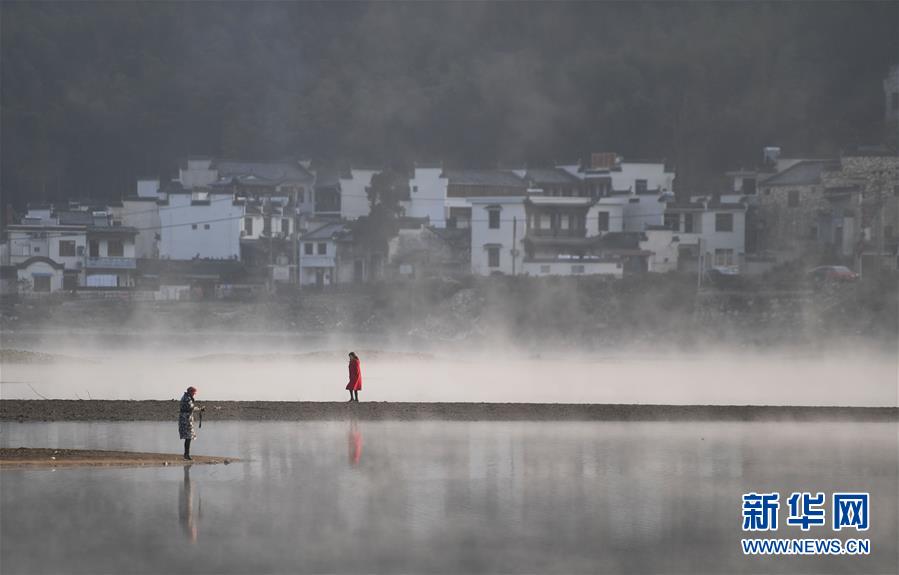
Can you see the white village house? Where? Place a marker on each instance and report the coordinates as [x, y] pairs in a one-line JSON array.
[[54, 251]]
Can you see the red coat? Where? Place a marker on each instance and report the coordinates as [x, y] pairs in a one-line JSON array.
[[355, 383]]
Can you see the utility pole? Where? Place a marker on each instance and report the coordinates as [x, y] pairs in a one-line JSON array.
[[699, 261], [514, 242]]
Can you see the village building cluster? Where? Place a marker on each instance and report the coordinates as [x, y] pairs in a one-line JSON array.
[[224, 227]]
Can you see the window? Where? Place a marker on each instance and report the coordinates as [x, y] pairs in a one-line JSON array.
[[115, 248], [793, 198], [67, 248], [724, 257], [688, 223], [493, 219], [322, 248], [94, 249], [205, 226], [577, 269], [267, 226], [248, 226], [545, 222], [493, 257], [672, 222], [603, 218], [565, 222], [749, 186], [37, 249], [193, 226], [544, 269], [724, 222], [640, 186], [307, 249], [41, 283], [285, 226], [414, 189]]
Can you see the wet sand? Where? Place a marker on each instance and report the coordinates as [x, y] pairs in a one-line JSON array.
[[104, 410], [31, 457]]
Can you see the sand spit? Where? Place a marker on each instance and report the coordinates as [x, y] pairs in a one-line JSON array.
[[30, 457], [103, 410]]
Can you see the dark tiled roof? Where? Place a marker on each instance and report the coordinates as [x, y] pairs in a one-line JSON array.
[[500, 178], [223, 269], [622, 240], [804, 173], [77, 218], [278, 172], [550, 176], [112, 231], [325, 232], [41, 259]]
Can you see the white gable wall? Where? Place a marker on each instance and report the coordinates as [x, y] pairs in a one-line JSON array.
[[184, 234]]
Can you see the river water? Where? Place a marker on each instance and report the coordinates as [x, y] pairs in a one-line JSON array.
[[441, 497]]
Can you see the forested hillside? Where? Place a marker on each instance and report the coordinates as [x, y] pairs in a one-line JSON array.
[[95, 94]]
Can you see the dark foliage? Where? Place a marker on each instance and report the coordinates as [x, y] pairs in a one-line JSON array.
[[97, 94]]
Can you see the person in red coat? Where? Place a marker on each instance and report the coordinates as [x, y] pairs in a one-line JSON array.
[[355, 383]]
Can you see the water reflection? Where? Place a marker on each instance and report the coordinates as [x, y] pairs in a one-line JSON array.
[[186, 508], [440, 497], [355, 443]]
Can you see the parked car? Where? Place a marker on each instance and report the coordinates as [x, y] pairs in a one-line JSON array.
[[823, 274]]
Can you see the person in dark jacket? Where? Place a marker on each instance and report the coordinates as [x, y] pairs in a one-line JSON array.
[[355, 383], [186, 428]]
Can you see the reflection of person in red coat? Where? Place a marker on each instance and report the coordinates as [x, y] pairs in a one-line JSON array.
[[355, 442], [355, 383]]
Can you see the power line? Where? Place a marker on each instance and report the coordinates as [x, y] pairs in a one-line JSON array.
[[238, 217]]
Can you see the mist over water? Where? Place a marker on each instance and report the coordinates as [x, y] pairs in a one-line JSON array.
[[734, 379]]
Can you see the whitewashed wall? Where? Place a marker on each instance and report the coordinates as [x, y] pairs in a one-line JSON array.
[[180, 241], [482, 235], [427, 196], [654, 174]]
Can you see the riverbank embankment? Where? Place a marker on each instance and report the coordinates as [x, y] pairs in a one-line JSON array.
[[109, 410]]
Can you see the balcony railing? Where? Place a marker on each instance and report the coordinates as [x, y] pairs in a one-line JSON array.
[[112, 263]]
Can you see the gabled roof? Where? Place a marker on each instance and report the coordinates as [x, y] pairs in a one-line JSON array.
[[500, 178], [803, 173]]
